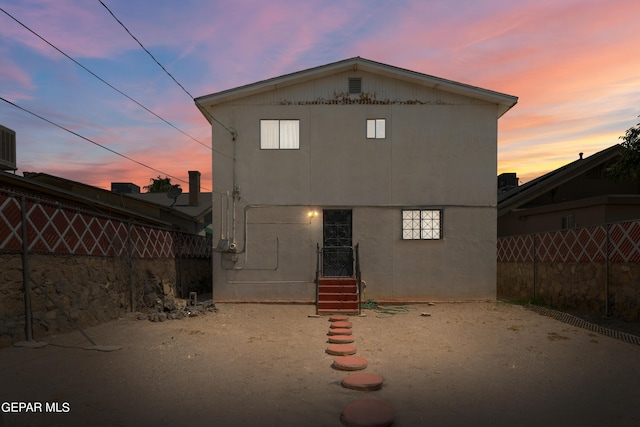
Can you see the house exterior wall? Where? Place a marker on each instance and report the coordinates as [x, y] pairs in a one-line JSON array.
[[590, 197], [589, 184], [439, 152], [588, 212], [538, 220]]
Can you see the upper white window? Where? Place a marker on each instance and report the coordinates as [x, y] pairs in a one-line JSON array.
[[422, 224], [280, 134], [376, 128]]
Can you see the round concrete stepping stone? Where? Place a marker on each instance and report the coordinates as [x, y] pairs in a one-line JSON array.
[[363, 381], [350, 363], [340, 325], [340, 331], [341, 349], [338, 318], [340, 339], [368, 412]]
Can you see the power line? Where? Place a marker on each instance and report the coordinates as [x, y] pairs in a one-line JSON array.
[[93, 142], [101, 79], [231, 131]]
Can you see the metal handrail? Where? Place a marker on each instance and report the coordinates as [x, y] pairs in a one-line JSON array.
[[357, 273], [358, 277], [318, 272]]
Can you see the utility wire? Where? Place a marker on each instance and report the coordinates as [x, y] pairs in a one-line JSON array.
[[93, 142], [231, 131], [101, 79]]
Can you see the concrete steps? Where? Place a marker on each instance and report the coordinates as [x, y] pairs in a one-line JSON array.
[[338, 295]]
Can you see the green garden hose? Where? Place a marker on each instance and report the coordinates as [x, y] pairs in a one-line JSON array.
[[384, 311]]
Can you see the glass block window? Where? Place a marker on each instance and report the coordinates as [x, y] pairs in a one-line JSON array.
[[376, 128], [422, 224], [280, 134]]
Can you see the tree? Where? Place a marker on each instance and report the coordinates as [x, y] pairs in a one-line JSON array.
[[160, 185], [628, 166]]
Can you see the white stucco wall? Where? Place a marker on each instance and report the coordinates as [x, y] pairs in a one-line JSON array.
[[437, 154]]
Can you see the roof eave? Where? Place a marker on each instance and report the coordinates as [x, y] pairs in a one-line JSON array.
[[555, 178], [504, 101]]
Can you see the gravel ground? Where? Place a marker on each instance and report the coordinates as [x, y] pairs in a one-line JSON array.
[[480, 364]]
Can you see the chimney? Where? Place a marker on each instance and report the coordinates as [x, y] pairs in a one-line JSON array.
[[194, 188], [125, 187]]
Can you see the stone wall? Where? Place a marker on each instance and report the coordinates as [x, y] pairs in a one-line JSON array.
[[515, 280], [90, 289], [624, 290], [586, 286], [593, 269], [193, 275]]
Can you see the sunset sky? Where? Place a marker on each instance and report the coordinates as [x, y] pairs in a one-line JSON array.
[[573, 64]]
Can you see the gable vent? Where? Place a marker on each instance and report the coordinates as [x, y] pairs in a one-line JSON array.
[[7, 149], [355, 85]]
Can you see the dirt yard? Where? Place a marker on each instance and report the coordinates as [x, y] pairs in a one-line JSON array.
[[469, 364]]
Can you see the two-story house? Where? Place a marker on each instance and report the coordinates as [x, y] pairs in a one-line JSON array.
[[355, 152]]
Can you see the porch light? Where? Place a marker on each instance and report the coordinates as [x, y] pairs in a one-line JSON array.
[[312, 214]]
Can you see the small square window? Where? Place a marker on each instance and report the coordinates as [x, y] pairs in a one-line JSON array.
[[376, 128], [422, 224], [279, 134]]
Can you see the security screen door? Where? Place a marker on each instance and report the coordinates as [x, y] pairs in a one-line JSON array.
[[337, 253]]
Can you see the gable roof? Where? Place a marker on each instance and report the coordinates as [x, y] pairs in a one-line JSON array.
[[519, 196], [504, 102], [181, 204]]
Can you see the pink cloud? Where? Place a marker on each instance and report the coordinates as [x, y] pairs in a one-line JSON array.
[[120, 170], [571, 63], [13, 76]]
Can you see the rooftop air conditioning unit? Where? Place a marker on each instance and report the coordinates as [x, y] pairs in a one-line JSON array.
[[7, 149]]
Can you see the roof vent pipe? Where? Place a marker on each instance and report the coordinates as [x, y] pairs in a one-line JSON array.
[[580, 154]]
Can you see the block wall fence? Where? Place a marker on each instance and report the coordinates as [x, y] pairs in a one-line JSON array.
[[95, 267], [594, 269]]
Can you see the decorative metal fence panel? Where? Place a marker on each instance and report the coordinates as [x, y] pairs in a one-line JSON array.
[[575, 245], [625, 242], [515, 249], [10, 219], [53, 228], [617, 242]]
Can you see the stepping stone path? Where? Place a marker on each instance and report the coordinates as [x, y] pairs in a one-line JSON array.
[[350, 363], [341, 349], [368, 412], [340, 331], [363, 381], [340, 325], [341, 339], [365, 412]]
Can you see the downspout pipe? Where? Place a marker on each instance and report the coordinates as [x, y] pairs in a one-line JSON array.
[[236, 188]]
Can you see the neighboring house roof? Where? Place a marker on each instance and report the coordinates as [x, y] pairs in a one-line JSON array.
[[504, 102], [95, 198], [181, 204], [519, 196]]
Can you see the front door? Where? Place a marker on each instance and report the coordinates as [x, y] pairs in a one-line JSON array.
[[337, 253]]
